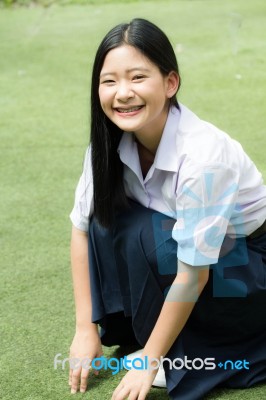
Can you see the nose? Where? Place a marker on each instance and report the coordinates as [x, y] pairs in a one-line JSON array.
[[124, 92]]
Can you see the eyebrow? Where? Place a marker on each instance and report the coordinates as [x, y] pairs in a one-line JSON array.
[[142, 69]]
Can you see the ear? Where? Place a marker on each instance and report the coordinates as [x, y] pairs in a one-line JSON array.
[[172, 84]]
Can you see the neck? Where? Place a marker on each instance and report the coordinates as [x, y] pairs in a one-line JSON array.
[[151, 136], [148, 147], [148, 154], [146, 158]]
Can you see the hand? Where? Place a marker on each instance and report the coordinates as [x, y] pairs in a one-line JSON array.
[[86, 345], [135, 385]]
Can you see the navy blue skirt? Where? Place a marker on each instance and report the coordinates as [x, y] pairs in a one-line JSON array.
[[133, 264]]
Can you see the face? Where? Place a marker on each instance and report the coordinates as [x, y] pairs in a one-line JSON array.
[[134, 94]]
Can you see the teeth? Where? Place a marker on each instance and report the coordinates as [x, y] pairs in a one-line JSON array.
[[128, 110]]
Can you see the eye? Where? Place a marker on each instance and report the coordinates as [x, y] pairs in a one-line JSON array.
[[108, 82], [138, 77]]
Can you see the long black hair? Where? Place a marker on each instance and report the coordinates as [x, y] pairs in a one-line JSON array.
[[107, 168]]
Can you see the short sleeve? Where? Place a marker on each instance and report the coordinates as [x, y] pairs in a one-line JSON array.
[[205, 201], [83, 205]]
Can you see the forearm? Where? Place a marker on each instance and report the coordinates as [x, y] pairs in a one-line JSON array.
[[176, 309], [81, 280]]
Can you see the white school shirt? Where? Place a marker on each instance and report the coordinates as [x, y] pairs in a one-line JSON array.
[[200, 177]]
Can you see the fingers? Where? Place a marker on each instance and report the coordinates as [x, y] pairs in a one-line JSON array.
[[97, 364], [79, 380], [142, 395], [123, 392], [75, 380], [84, 380], [120, 393], [78, 374]]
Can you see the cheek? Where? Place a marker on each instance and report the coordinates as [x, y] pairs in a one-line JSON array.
[[105, 97], [101, 96], [154, 93]]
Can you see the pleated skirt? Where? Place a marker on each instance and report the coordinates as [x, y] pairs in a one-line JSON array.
[[133, 264]]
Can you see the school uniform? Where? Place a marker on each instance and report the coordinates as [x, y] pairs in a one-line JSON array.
[[203, 201]]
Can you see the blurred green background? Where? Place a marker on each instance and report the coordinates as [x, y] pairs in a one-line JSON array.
[[46, 54]]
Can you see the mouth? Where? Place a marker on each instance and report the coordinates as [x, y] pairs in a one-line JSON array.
[[128, 110]]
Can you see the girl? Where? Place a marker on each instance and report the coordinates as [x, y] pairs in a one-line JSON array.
[[169, 235]]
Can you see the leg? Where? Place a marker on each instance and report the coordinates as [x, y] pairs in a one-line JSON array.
[[124, 269]]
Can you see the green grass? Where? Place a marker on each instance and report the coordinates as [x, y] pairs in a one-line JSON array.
[[45, 62]]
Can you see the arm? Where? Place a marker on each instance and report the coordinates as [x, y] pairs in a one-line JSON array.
[[81, 280], [86, 342], [178, 305]]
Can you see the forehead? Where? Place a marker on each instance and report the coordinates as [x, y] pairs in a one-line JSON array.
[[125, 57]]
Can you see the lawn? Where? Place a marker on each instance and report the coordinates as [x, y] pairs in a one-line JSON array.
[[45, 62]]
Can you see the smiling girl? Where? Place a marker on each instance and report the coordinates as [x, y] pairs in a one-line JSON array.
[[168, 241]]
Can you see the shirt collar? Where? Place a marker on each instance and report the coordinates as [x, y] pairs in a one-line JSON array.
[[178, 122], [166, 154], [128, 152]]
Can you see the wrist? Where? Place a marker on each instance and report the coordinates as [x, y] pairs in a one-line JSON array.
[[87, 328], [151, 356]]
